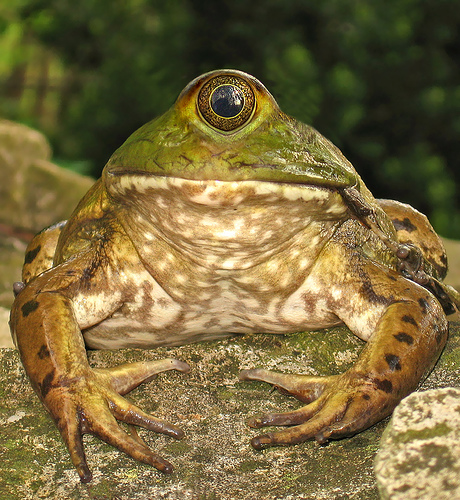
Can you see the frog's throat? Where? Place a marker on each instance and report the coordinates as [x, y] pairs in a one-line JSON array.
[[228, 224]]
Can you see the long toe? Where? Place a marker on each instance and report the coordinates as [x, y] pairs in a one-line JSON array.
[[306, 388], [112, 434], [131, 414], [124, 378], [295, 417]]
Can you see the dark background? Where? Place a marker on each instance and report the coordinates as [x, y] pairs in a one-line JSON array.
[[380, 79]]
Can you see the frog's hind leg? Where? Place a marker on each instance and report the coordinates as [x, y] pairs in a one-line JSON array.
[[45, 324], [40, 252], [412, 227], [406, 331]]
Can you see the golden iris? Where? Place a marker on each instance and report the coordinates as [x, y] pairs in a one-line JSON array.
[[226, 102]]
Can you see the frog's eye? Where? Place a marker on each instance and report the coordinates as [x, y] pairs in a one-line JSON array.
[[226, 102]]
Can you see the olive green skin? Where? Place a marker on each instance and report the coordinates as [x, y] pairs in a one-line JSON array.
[[194, 233]]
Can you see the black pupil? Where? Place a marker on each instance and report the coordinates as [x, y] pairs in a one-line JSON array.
[[227, 101]]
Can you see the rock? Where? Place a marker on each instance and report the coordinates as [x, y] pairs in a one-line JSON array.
[[419, 457], [214, 460], [12, 250], [34, 192]]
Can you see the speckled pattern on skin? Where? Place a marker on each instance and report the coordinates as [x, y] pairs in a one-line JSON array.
[[195, 233]]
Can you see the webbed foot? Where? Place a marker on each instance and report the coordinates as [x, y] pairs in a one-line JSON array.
[[91, 403], [338, 406]]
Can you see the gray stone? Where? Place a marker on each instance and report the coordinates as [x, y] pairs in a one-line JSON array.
[[34, 192], [214, 460], [419, 457], [453, 258], [12, 251]]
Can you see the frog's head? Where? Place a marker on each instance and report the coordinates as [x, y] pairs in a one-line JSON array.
[[226, 126]]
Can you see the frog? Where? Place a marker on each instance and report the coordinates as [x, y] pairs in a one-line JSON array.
[[225, 216]]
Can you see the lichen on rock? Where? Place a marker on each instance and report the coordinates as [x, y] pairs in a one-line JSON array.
[[420, 450]]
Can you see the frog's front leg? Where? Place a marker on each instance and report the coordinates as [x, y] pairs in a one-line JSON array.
[[407, 331], [81, 399]]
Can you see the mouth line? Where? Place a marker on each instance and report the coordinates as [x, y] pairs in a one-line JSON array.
[[327, 185]]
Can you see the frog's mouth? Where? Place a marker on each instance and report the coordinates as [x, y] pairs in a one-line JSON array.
[[321, 174]]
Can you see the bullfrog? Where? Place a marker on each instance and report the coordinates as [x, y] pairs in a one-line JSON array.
[[226, 216]]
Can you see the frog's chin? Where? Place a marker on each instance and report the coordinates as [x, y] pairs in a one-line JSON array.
[[223, 193]]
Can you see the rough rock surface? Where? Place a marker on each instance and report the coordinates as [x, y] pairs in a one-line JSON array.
[[419, 457], [5, 335], [214, 460]]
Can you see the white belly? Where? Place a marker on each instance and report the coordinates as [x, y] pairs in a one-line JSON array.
[[223, 311]]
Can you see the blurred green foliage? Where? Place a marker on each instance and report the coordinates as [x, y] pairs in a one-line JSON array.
[[380, 79]]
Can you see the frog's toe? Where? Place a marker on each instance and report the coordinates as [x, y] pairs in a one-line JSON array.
[[132, 415], [124, 378], [306, 388], [329, 417], [111, 433], [293, 435], [314, 428], [91, 404], [294, 417], [99, 417], [70, 429]]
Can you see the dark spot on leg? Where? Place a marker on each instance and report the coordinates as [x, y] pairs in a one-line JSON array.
[[409, 319], [440, 334], [404, 225], [366, 396], [29, 307], [18, 287], [423, 304], [31, 254], [43, 352], [392, 278], [384, 385], [46, 385], [404, 337], [393, 362]]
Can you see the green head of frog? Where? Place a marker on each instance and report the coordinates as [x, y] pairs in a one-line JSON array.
[[226, 126]]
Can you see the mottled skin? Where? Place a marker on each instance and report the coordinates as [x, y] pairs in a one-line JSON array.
[[195, 232]]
